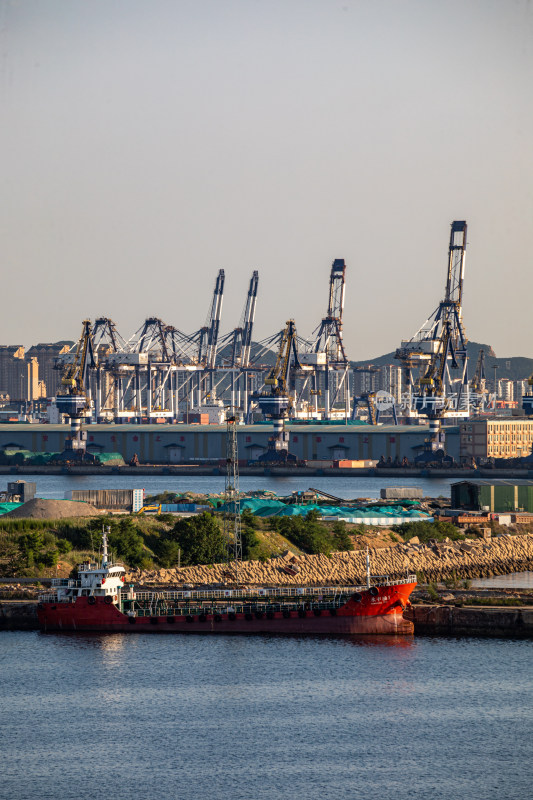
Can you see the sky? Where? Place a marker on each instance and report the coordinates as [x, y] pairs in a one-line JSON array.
[[148, 143]]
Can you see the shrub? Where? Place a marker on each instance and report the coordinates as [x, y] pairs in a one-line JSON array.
[[439, 530], [169, 553], [307, 533], [200, 539], [432, 591], [341, 538]]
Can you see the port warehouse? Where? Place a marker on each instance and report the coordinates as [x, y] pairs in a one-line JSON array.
[[495, 495], [178, 444]]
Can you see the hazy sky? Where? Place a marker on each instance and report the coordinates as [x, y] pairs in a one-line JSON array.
[[147, 143]]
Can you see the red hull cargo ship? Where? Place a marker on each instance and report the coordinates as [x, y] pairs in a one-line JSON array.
[[99, 601]]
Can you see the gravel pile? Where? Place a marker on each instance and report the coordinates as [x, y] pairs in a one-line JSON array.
[[39, 508]]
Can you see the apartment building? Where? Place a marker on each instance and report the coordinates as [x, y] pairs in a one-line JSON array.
[[496, 437]]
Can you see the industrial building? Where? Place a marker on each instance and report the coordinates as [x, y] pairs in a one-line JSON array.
[[496, 495], [496, 437], [180, 443]]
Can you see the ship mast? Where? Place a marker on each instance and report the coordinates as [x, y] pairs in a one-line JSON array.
[[105, 556]]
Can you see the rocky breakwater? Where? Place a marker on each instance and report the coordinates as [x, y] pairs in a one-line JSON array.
[[471, 558]]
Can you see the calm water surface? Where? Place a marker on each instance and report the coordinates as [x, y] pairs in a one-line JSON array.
[[516, 580], [55, 486], [251, 718]]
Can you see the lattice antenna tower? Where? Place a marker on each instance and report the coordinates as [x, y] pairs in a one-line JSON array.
[[232, 527]]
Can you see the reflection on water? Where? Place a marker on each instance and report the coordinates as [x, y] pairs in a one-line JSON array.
[[516, 580], [116, 642]]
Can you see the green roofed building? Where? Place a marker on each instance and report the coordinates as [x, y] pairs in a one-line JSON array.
[[496, 495]]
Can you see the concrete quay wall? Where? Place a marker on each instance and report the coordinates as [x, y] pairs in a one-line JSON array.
[[17, 616], [471, 621]]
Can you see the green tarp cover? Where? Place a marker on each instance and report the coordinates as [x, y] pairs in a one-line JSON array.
[[111, 459], [270, 508], [5, 508]]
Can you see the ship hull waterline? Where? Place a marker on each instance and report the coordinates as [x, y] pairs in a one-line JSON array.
[[382, 615]]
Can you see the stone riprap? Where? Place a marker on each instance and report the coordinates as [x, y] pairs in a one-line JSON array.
[[472, 558]]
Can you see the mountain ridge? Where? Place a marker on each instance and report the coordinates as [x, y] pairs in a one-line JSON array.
[[515, 368]]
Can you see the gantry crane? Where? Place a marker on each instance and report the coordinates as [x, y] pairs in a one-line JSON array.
[[72, 399], [327, 352], [439, 349], [478, 384], [107, 343], [207, 341], [277, 401], [240, 341], [431, 401]]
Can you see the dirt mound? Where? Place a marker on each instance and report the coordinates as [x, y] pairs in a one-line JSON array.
[[53, 509]]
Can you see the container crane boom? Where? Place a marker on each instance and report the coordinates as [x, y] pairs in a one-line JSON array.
[[442, 332]]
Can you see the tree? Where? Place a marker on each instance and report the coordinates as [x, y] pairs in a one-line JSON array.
[[249, 537], [200, 539], [169, 553], [126, 542], [307, 533], [341, 538]]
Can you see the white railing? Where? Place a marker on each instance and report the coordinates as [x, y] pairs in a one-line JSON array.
[[53, 598], [66, 583], [282, 591]]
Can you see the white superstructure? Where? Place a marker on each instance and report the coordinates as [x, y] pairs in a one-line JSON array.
[[95, 579]]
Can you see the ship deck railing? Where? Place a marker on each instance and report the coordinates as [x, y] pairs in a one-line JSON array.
[[280, 591], [66, 583], [237, 608]]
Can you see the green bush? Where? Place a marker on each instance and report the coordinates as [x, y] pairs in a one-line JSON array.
[[168, 553], [341, 538], [438, 530], [126, 542], [433, 593], [200, 539], [307, 533]]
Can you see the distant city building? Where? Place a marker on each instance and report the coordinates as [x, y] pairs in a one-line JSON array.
[[12, 370], [46, 355], [19, 374], [366, 379], [506, 390], [391, 380], [520, 389], [387, 378]]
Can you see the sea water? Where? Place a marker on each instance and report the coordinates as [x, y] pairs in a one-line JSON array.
[[157, 717]]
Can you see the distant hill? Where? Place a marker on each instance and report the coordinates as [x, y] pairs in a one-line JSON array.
[[515, 368]]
